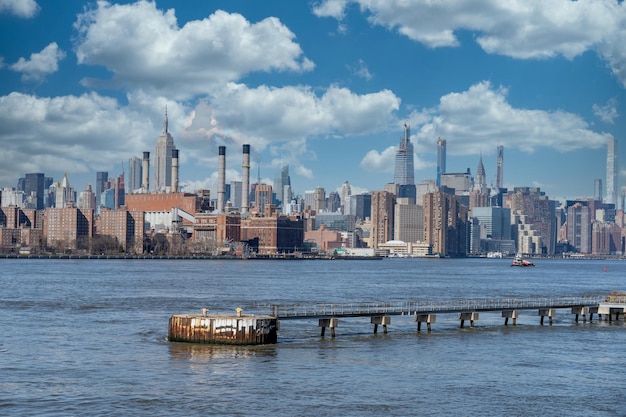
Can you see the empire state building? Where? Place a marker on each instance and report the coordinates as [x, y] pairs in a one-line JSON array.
[[163, 159]]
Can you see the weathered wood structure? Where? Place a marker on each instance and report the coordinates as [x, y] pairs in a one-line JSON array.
[[228, 329]]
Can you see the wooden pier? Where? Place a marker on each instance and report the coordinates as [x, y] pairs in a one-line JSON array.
[[262, 329]]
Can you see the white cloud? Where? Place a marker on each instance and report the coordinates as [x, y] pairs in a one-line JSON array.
[[608, 112], [330, 8], [89, 132], [375, 161], [521, 29], [481, 118], [361, 70], [285, 119], [144, 48], [20, 8], [40, 64]]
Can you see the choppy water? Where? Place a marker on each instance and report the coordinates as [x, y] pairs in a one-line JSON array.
[[88, 337]]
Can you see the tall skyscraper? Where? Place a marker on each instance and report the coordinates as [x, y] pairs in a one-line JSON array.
[[319, 200], [597, 189], [134, 174], [441, 159], [101, 180], [404, 171], [34, 183], [280, 181], [480, 182], [611, 172], [500, 167], [163, 158]]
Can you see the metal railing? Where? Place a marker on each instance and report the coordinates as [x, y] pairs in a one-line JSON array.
[[364, 309]]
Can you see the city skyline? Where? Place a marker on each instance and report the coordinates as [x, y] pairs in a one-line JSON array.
[[322, 87]]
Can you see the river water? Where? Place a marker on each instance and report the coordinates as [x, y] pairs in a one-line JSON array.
[[89, 337]]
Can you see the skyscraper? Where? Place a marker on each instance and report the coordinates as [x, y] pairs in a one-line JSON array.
[[404, 173], [441, 159], [280, 181], [611, 172], [101, 180], [134, 174], [480, 182], [34, 183], [163, 158], [500, 167]]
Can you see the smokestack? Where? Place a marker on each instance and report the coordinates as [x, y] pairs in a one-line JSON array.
[[245, 181], [145, 168], [174, 186], [221, 179]]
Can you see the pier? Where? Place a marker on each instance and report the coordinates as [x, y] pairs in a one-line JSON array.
[[262, 329]]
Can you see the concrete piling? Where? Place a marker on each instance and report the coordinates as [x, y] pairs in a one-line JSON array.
[[471, 316], [331, 323], [510, 314], [425, 318], [384, 320]]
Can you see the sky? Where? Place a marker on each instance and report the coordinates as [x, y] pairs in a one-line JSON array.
[[323, 86]]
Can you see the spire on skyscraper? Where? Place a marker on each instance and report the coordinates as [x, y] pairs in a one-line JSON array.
[[165, 121]]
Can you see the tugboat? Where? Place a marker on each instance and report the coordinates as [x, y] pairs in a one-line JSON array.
[[518, 261]]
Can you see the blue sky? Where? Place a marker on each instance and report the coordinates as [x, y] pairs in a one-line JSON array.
[[324, 86]]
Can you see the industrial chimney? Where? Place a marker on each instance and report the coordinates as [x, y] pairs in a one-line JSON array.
[[221, 178], [174, 186], [245, 181], [145, 169]]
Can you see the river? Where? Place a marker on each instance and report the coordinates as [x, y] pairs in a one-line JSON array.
[[89, 337]]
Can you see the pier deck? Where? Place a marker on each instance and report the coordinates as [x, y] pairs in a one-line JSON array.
[[374, 309]]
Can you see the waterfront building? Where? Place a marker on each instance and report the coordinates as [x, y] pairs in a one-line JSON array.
[[382, 217], [68, 227], [163, 159], [127, 226], [441, 161], [213, 231], [272, 234], [445, 224], [408, 221]]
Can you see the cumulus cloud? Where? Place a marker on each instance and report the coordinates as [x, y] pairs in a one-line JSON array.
[[88, 132], [40, 64], [482, 118], [144, 47], [288, 117], [608, 112], [517, 28], [20, 8]]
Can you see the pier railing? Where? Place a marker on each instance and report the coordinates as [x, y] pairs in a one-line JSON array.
[[365, 309]]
